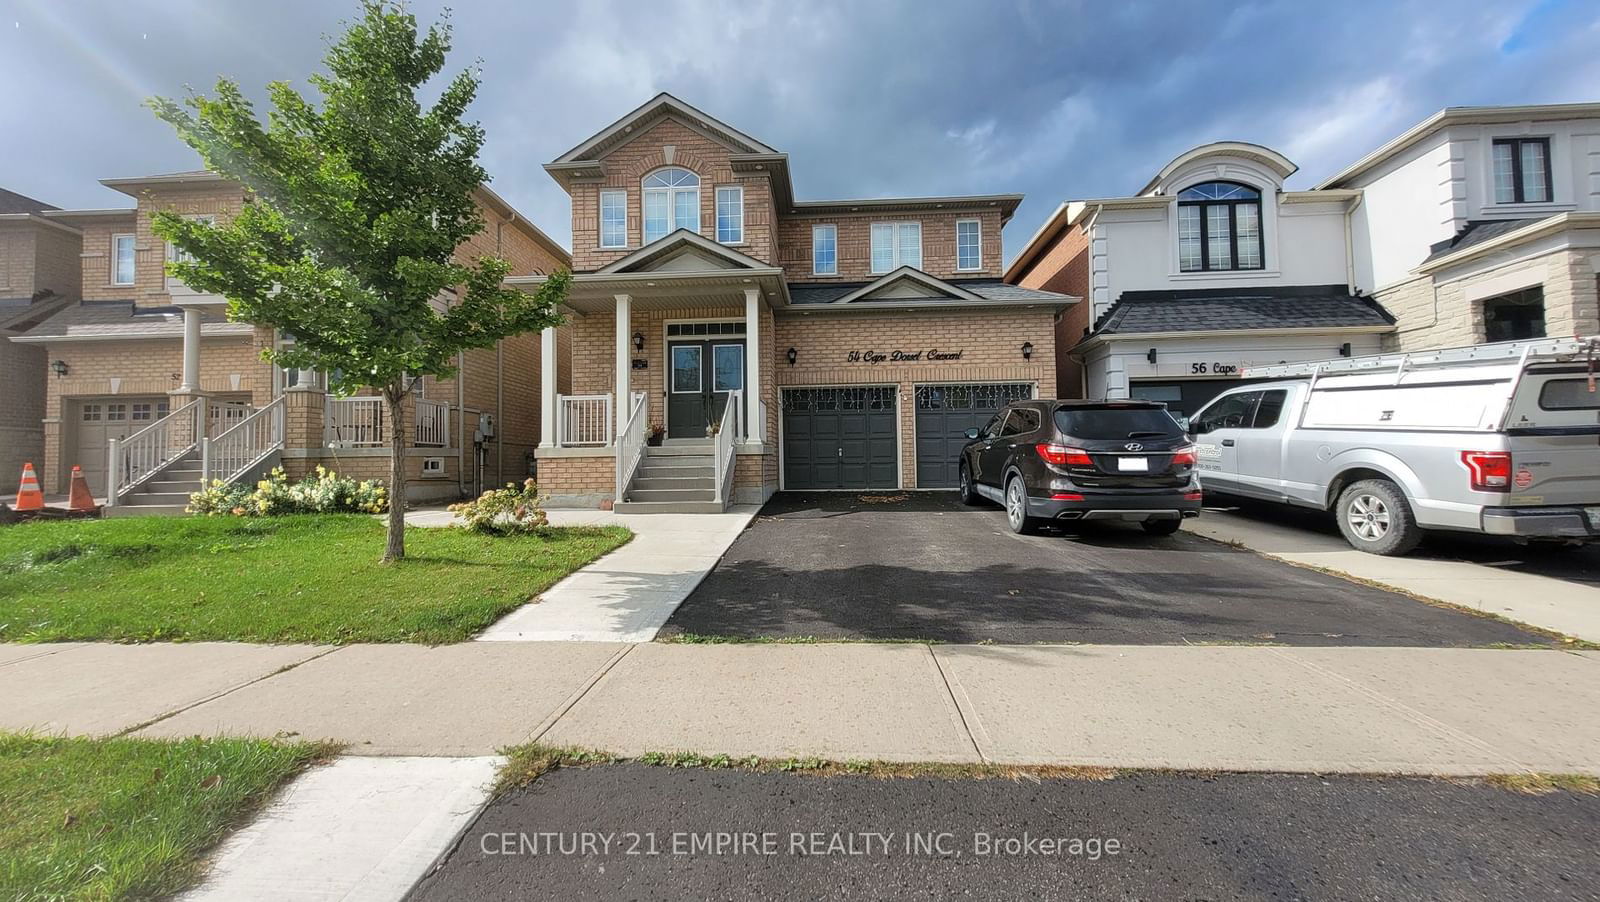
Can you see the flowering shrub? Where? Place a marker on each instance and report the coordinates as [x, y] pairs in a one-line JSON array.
[[507, 511], [324, 492]]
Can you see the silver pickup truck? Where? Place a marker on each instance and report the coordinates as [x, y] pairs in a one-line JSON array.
[[1497, 439]]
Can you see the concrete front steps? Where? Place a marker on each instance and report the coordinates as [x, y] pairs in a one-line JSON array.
[[674, 478], [166, 495]]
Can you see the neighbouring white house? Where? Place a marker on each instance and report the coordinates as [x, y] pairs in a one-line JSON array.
[[1210, 267], [1481, 224]]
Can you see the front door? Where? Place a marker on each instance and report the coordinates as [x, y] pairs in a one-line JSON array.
[[700, 375]]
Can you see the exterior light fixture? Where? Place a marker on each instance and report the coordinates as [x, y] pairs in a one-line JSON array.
[[792, 355], [638, 341], [59, 367], [1027, 350], [1151, 356], [1344, 349]]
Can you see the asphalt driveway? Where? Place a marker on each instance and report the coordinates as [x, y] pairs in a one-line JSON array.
[[922, 566]]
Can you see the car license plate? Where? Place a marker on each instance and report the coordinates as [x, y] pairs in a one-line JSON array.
[[1594, 517], [1133, 464]]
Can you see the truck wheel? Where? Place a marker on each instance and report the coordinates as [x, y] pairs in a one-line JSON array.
[[1017, 507], [1375, 517], [969, 495]]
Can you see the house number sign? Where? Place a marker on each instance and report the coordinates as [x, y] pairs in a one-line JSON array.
[[874, 358]]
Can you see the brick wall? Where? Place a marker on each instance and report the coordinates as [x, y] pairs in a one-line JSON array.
[[1064, 268], [854, 233], [21, 408]]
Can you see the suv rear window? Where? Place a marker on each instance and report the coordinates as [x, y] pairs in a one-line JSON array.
[[1116, 422], [1568, 394]]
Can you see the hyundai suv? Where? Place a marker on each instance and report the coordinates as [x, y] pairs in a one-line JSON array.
[[1083, 460]]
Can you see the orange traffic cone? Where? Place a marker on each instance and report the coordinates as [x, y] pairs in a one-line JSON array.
[[29, 498], [80, 498]]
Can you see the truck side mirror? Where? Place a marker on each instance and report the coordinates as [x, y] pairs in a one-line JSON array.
[[972, 432]]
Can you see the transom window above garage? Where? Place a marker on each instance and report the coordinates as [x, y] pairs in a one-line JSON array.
[[1219, 227]]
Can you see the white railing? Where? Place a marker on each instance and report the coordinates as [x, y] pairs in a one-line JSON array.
[[583, 420], [630, 443], [145, 453], [722, 453], [433, 423], [243, 445], [355, 422]]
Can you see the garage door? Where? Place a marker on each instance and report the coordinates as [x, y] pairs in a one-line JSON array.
[[1185, 397], [944, 414], [96, 422], [839, 438]]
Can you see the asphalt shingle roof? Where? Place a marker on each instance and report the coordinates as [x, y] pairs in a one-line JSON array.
[[120, 318], [1476, 232], [1297, 307], [12, 202], [803, 293]]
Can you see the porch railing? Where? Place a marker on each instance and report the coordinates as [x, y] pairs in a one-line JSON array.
[[355, 422], [433, 423], [722, 443], [583, 420], [243, 445], [630, 443], [139, 456]]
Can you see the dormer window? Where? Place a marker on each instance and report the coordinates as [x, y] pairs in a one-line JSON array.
[[1219, 227], [1522, 170], [671, 202]]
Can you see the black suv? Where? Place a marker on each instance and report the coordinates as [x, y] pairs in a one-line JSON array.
[[1083, 460]]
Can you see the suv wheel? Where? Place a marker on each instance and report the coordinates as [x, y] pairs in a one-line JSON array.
[[1017, 507], [1375, 517], [969, 494]]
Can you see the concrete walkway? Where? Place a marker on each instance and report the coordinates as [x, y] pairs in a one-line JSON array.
[[1357, 710], [1565, 606]]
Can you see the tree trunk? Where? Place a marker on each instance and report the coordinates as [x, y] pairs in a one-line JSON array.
[[395, 549]]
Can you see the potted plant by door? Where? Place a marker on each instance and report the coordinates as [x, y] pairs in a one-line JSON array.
[[657, 433]]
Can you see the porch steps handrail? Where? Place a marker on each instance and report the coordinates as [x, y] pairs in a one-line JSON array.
[[722, 453], [630, 444], [356, 422], [242, 446], [137, 457]]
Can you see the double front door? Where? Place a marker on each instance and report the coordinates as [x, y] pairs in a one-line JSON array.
[[699, 376]]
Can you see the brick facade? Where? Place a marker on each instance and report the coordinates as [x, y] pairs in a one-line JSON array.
[[38, 267], [854, 244], [1064, 268], [1446, 309]]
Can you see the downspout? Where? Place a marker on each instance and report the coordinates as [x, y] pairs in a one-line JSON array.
[[461, 407], [500, 380], [1350, 244], [1088, 248]]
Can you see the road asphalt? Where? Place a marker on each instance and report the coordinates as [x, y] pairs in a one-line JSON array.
[[734, 834]]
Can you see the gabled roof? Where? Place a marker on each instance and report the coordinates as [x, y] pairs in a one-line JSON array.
[[12, 202], [683, 251], [651, 111], [903, 283], [1241, 309], [908, 287]]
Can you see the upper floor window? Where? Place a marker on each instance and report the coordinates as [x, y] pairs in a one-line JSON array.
[[613, 219], [1219, 227], [671, 202], [896, 244], [824, 250], [969, 245], [730, 215], [122, 259], [1522, 170]]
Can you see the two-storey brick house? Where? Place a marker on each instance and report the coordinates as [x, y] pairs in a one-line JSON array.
[[775, 342], [142, 354]]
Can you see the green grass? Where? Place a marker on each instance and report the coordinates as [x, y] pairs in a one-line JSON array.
[[121, 818], [312, 578]]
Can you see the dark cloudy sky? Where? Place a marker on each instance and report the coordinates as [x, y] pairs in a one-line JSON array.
[[1053, 98]]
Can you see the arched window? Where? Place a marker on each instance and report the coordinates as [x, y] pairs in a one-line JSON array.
[[671, 202], [1219, 227]]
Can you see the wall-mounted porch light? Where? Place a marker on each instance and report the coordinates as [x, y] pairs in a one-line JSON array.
[[1151, 356], [1027, 350], [59, 367], [638, 341], [793, 355]]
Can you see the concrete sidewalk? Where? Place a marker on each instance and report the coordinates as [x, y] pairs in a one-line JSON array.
[[1565, 606], [1356, 710]]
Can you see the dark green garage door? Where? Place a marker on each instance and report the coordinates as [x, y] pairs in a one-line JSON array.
[[944, 414], [839, 438]]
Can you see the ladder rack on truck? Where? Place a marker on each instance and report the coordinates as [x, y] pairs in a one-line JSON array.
[[1540, 350]]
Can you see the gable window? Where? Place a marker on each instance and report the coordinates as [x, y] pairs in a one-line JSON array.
[[613, 219], [824, 250], [1522, 170], [671, 202], [1219, 227], [122, 259], [896, 244], [969, 244], [730, 215], [1514, 316]]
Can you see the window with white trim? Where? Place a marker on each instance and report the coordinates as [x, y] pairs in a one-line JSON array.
[[122, 248], [613, 219], [730, 215], [671, 202], [969, 245], [824, 250], [896, 244]]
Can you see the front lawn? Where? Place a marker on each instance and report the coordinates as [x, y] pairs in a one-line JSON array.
[[312, 578], [120, 818]]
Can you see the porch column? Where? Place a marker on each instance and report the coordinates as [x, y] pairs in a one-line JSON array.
[[547, 387], [624, 363], [752, 357], [191, 351]]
